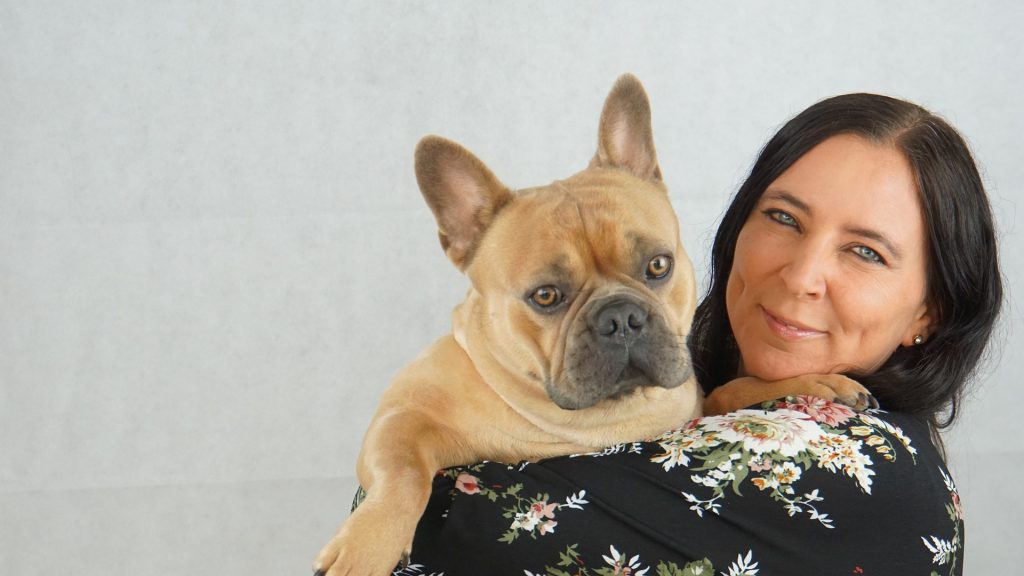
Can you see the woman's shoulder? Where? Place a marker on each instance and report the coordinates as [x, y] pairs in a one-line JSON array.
[[796, 482], [797, 450], [811, 470], [776, 444], [815, 431]]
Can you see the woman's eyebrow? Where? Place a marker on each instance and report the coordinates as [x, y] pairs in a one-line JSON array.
[[788, 198], [877, 237]]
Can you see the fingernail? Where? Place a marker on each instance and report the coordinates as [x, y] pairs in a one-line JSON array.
[[873, 402], [319, 573]]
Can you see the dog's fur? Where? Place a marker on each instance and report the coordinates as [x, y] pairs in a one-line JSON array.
[[572, 337]]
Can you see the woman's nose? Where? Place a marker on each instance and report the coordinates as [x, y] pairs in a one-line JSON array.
[[806, 272]]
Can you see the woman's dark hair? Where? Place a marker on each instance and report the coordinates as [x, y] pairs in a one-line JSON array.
[[964, 282]]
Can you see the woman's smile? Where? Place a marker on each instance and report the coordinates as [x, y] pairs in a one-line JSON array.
[[789, 330]]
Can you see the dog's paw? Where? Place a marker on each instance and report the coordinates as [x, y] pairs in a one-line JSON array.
[[366, 545], [841, 389]]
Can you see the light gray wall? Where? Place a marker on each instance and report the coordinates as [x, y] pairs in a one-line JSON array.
[[213, 253]]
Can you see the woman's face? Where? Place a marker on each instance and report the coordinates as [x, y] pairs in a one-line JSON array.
[[829, 269]]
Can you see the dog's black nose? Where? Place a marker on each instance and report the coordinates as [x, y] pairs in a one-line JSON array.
[[621, 319]]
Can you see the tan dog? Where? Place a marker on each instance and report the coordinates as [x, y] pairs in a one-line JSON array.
[[572, 337]]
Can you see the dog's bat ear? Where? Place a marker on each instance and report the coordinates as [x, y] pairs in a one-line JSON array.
[[462, 193], [625, 139]]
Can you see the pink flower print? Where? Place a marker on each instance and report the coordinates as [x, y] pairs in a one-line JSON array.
[[820, 410], [543, 510], [467, 483], [548, 526]]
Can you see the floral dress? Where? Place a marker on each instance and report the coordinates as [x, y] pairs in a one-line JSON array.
[[794, 486]]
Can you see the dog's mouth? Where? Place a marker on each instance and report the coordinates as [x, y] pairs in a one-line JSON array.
[[631, 378], [631, 372], [587, 387], [628, 381]]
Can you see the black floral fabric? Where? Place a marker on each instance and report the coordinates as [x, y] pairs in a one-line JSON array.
[[795, 486]]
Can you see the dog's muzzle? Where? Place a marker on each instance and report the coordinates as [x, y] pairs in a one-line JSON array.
[[620, 345]]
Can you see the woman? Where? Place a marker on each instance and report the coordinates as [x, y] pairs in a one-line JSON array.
[[861, 243]]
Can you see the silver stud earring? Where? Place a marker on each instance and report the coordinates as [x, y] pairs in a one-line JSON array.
[[918, 340]]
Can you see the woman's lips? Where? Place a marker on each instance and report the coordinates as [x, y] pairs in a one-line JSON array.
[[788, 330]]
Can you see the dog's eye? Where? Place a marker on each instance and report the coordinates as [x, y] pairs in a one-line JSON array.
[[659, 267], [546, 296]]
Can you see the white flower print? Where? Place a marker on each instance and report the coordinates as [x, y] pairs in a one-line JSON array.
[[786, 432], [620, 565], [678, 443], [540, 514], [839, 453], [774, 449], [944, 550], [957, 511], [743, 566], [415, 570], [576, 501], [892, 430]]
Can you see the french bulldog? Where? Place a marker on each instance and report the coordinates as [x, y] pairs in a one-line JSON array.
[[572, 336]]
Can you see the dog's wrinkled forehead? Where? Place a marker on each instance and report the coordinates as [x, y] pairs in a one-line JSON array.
[[567, 231]]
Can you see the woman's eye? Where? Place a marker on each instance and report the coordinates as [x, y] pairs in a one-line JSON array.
[[546, 296], [659, 267], [868, 254], [781, 217]]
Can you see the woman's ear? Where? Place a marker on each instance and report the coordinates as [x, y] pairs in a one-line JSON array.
[[921, 329]]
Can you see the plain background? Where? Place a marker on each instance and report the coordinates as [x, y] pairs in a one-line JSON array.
[[213, 254]]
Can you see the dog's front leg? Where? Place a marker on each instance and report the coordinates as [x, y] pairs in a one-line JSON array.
[[748, 390], [400, 456]]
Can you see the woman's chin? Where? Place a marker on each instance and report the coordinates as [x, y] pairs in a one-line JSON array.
[[773, 369]]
